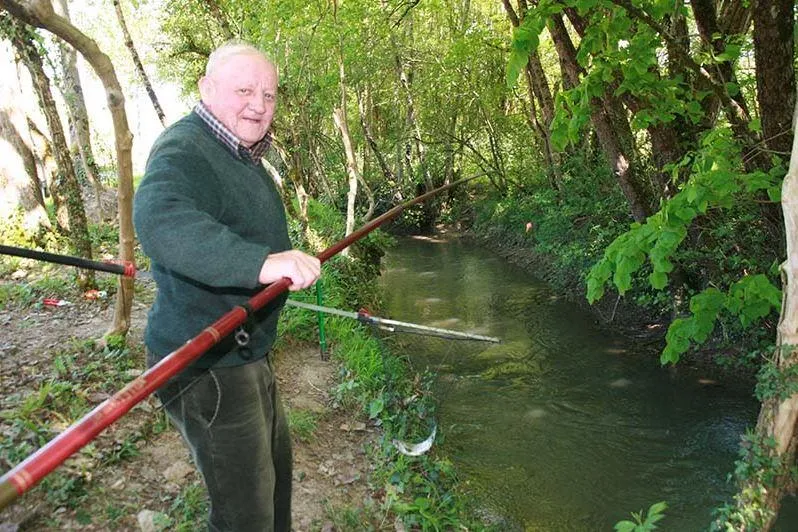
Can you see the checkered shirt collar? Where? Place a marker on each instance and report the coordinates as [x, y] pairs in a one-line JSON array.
[[229, 139]]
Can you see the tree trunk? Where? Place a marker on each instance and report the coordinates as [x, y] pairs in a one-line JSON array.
[[80, 136], [715, 39], [137, 62], [617, 153], [375, 149], [219, 16], [735, 114], [778, 416], [40, 13], [566, 52], [405, 74], [775, 73], [774, 43], [43, 151], [293, 170], [17, 158], [19, 177], [540, 92], [339, 116], [405, 79], [65, 187]]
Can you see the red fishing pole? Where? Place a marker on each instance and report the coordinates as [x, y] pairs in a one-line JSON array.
[[38, 465]]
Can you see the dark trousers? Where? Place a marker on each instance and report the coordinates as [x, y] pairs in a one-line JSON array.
[[234, 425]]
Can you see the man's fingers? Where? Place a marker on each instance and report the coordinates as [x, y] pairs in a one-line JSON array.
[[304, 275], [301, 268]]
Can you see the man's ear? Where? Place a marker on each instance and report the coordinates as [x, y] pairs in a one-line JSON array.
[[206, 88]]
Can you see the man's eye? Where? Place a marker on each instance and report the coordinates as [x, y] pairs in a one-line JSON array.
[[244, 92], [268, 96]]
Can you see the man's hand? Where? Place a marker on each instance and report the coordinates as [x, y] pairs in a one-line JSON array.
[[301, 268]]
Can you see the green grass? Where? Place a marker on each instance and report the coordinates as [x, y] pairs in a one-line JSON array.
[[190, 508], [303, 424]]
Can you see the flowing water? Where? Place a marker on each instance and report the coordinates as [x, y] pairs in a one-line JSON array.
[[561, 426]]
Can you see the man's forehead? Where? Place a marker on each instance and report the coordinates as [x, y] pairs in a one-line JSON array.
[[245, 65]]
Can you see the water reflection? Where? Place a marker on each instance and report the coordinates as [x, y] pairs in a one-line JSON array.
[[562, 426]]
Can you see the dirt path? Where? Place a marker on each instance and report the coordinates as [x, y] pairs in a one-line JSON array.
[[153, 486]]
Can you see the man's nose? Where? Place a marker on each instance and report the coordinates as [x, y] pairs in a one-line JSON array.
[[258, 103]]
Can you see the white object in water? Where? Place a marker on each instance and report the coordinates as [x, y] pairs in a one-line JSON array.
[[418, 448]]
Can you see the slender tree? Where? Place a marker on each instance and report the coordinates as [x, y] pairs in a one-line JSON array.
[[145, 79], [540, 98], [341, 122], [604, 116], [79, 130], [18, 163]]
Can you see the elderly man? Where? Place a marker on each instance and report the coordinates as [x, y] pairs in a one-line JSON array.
[[211, 220]]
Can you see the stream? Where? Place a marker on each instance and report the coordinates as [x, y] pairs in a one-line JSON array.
[[562, 426]]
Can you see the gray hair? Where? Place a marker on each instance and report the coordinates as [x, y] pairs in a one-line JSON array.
[[232, 48]]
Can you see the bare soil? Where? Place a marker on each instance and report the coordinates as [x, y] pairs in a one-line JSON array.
[[157, 480]]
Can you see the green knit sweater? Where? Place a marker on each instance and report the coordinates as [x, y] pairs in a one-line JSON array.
[[207, 219]]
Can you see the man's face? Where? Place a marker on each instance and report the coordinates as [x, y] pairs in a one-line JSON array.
[[242, 93]]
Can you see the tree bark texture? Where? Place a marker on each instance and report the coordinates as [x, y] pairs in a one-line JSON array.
[[40, 13], [775, 73], [774, 44], [339, 116], [80, 136]]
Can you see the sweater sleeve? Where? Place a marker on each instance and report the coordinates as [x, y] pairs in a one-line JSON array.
[[175, 215]]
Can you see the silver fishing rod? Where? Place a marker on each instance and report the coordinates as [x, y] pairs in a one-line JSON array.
[[394, 325]]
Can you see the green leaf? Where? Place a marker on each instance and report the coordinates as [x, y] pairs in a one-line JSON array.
[[516, 63], [731, 53], [595, 289], [657, 508], [686, 214], [676, 340], [376, 407], [658, 280]]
